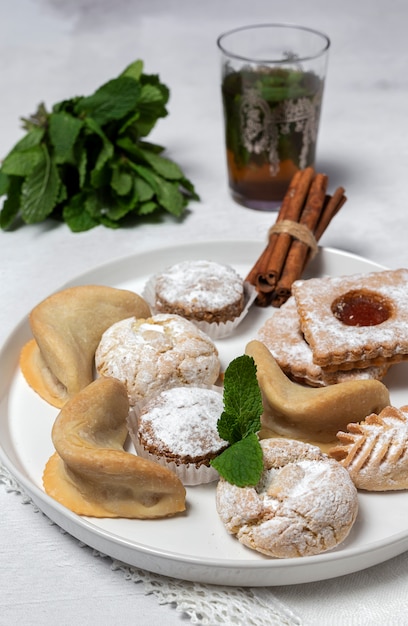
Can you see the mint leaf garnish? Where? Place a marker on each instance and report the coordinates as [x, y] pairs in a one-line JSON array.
[[242, 462], [111, 102], [242, 400], [87, 161]]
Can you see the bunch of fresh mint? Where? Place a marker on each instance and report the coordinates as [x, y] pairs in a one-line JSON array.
[[86, 162], [242, 462]]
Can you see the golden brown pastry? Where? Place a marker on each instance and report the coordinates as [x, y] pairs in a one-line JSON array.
[[91, 474], [375, 451], [310, 413], [67, 327]]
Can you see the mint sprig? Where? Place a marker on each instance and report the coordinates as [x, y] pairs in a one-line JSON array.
[[241, 463], [87, 161]]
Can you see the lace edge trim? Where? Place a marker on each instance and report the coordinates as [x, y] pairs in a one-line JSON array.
[[208, 605]]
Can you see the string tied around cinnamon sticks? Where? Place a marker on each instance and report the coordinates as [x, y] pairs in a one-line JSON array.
[[306, 211], [297, 231]]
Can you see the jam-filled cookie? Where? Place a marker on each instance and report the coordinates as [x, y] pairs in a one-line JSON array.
[[282, 335], [355, 321]]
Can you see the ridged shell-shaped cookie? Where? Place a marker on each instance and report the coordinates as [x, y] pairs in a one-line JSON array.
[[375, 451]]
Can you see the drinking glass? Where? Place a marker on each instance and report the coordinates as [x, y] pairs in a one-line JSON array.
[[272, 87]]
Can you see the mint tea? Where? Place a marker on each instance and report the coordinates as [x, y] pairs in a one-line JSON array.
[[271, 123], [272, 86]]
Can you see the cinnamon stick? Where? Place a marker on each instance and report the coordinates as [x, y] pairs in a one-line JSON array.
[[308, 210], [260, 270], [264, 299], [291, 210], [298, 250], [260, 274], [332, 207]]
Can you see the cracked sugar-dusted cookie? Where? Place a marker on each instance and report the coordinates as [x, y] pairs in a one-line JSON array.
[[305, 502], [157, 352], [375, 451]]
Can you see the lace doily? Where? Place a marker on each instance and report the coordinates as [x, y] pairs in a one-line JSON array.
[[210, 605]]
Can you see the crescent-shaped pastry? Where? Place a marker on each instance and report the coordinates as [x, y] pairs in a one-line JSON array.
[[375, 451], [91, 474], [67, 327], [309, 413]]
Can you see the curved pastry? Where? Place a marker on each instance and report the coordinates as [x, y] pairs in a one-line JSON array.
[[375, 451], [67, 327], [90, 472], [311, 413]]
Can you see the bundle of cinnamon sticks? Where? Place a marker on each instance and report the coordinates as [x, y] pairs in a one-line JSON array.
[[306, 211]]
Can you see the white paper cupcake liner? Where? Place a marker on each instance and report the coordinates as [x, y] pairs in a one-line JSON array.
[[189, 473], [213, 330]]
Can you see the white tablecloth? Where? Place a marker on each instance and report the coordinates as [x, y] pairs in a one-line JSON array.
[[54, 49]]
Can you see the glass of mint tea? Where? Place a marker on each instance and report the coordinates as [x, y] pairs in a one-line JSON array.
[[272, 86]]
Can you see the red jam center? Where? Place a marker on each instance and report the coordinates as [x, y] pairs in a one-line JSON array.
[[361, 308]]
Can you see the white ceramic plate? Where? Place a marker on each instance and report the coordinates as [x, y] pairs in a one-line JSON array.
[[194, 546]]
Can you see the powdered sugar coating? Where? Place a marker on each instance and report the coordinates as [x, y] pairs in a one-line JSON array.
[[304, 504], [333, 342], [148, 355], [182, 422], [177, 428], [375, 451], [200, 290], [282, 335]]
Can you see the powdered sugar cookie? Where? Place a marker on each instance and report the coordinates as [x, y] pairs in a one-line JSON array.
[[355, 321], [210, 294], [177, 428], [304, 504], [150, 354]]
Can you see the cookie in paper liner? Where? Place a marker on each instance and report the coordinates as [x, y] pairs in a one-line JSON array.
[[177, 428], [211, 295]]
